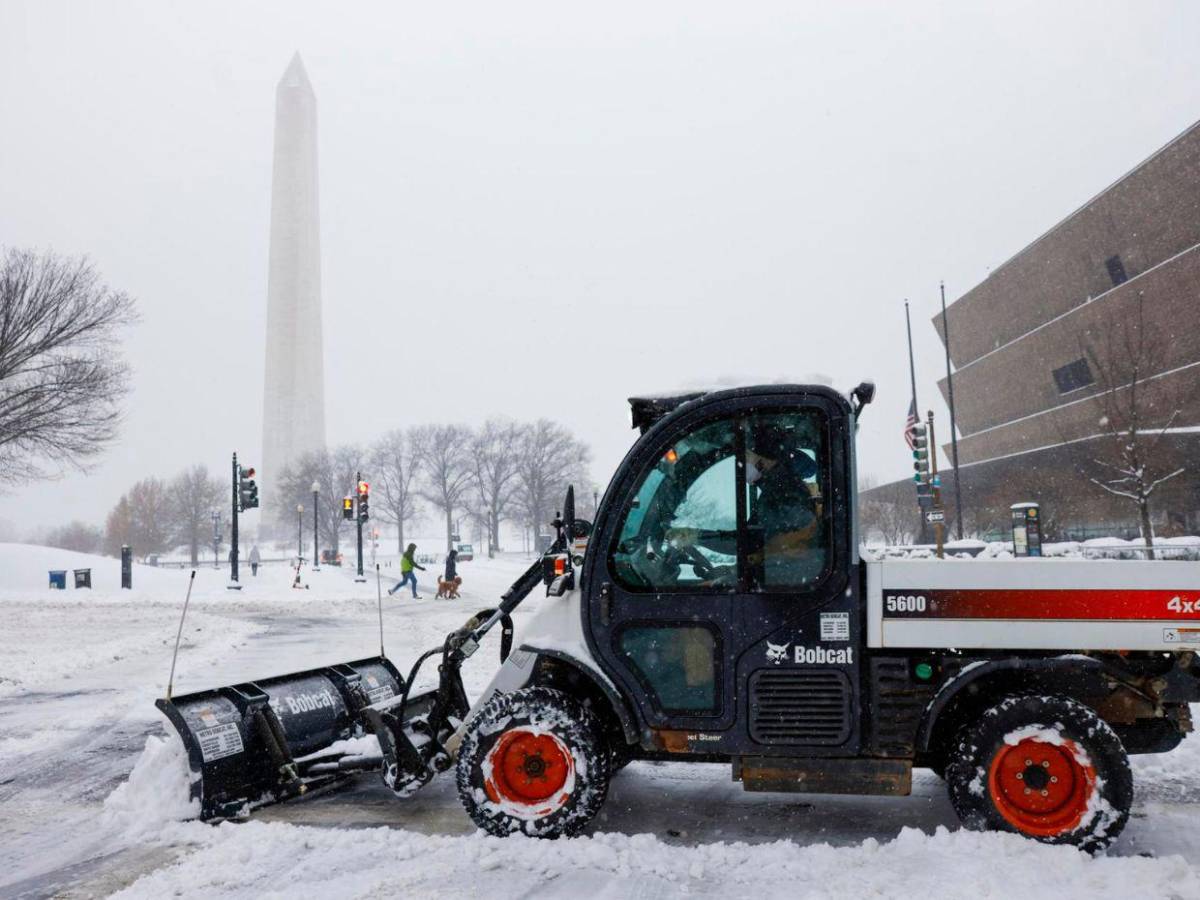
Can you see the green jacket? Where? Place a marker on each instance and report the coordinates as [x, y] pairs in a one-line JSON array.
[[407, 564]]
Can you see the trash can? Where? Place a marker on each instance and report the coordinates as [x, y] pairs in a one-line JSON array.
[[1027, 529], [83, 578], [58, 579]]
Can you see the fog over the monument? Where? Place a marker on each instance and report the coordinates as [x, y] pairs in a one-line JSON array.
[[537, 209]]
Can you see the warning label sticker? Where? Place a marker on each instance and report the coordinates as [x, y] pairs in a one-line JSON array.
[[219, 742], [383, 692], [835, 626], [1181, 635]]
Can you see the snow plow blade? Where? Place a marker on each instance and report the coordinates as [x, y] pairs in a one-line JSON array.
[[264, 741]]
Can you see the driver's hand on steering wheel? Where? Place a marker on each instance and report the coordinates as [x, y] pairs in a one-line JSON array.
[[721, 576], [682, 537]]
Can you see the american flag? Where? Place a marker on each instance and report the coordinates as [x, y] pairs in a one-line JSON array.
[[910, 423]]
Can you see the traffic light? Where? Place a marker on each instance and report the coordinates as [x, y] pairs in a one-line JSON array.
[[247, 489], [364, 495], [920, 443], [347, 507]]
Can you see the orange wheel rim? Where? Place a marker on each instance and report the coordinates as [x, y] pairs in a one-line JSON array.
[[1041, 789], [529, 769]]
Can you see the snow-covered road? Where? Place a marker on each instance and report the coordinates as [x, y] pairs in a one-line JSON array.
[[79, 673]]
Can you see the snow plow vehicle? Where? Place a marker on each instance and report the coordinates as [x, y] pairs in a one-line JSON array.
[[718, 610]]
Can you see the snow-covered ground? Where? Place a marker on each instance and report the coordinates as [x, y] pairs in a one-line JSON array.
[[79, 672]]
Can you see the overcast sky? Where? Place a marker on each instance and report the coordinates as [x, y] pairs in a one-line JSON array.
[[540, 209]]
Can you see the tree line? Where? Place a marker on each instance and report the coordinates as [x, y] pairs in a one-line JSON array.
[[502, 471], [154, 515]]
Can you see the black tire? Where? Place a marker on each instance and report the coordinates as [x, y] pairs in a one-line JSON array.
[[525, 744], [1046, 767]]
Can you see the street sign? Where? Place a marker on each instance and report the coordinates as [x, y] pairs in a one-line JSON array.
[[935, 515]]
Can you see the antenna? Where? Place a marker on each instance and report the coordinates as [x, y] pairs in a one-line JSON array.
[[179, 634], [379, 591]]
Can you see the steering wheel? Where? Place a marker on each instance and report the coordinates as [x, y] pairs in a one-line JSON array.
[[685, 554], [699, 563]]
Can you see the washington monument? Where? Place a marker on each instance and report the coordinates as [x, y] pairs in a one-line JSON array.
[[294, 389]]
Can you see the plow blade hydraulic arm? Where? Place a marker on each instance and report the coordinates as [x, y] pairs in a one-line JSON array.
[[262, 741]]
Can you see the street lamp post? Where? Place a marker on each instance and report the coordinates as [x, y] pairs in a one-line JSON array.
[[316, 489], [299, 531]]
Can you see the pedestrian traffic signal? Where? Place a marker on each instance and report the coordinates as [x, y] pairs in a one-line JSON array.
[[347, 507], [364, 496], [247, 489], [920, 445]]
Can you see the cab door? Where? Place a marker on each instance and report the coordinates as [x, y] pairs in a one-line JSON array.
[[665, 621], [687, 588]]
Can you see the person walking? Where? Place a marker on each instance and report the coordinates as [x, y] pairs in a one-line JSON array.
[[451, 565], [255, 559], [407, 574]]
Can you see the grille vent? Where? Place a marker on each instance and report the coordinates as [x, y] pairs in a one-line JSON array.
[[800, 706]]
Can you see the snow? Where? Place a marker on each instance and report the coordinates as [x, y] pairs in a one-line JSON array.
[[1176, 548], [93, 784], [157, 790], [257, 860]]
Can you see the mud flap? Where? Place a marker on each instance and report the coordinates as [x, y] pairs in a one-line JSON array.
[[263, 741]]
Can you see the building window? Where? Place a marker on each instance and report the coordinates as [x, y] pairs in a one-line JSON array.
[[1116, 270], [1073, 376]]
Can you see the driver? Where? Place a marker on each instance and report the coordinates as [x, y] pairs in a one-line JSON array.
[[785, 514]]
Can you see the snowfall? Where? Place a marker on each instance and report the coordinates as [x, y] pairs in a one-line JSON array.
[[93, 782]]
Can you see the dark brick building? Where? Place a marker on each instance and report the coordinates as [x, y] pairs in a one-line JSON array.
[[1039, 344]]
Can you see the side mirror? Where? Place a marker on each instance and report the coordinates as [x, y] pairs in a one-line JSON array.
[[862, 395]]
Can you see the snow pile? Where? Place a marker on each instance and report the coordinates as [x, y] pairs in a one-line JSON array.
[[156, 792], [257, 859], [1176, 548]]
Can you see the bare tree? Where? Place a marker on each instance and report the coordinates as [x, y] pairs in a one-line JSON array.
[[347, 462], [549, 459], [334, 473], [61, 374], [151, 526], [78, 536], [142, 519], [495, 461], [395, 464], [445, 454], [1136, 411], [118, 528], [194, 494], [891, 511]]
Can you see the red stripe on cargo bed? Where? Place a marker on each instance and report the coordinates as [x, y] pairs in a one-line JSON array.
[[997, 603]]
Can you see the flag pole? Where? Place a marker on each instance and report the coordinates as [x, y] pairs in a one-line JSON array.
[[912, 367], [912, 372], [953, 426]]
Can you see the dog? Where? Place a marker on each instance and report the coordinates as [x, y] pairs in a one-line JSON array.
[[448, 590]]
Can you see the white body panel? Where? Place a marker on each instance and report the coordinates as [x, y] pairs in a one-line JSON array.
[[557, 628], [1034, 604]]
